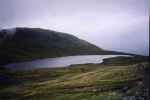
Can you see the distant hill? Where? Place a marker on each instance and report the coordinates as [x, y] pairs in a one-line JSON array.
[[21, 44]]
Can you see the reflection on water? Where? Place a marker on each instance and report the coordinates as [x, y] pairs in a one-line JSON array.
[[60, 61]]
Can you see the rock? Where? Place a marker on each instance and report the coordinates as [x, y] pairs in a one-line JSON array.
[[129, 98]]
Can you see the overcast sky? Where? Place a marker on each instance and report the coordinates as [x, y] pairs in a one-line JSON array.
[[110, 24]]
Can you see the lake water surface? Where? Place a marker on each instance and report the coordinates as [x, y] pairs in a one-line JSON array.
[[60, 62]]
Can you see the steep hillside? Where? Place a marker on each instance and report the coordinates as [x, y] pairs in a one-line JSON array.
[[32, 43]]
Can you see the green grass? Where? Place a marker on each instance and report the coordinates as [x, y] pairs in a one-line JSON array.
[[78, 82]]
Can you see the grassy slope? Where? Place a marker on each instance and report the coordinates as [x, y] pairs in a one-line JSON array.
[[78, 82]]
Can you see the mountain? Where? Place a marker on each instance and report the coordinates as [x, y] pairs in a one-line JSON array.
[[21, 44]]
